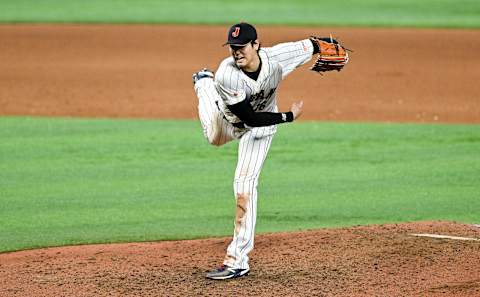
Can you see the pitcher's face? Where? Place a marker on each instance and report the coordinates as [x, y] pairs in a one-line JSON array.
[[246, 55]]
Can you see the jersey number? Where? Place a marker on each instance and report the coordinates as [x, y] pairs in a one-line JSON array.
[[259, 100]]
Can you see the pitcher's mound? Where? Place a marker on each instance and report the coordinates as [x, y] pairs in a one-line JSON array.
[[384, 260]]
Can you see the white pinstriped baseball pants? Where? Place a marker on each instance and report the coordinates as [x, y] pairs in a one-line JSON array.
[[253, 148]]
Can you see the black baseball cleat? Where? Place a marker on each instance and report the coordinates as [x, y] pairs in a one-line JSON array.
[[227, 272], [201, 74]]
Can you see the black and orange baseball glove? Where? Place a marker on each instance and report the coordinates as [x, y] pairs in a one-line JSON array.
[[331, 56]]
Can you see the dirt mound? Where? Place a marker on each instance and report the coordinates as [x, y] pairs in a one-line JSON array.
[[384, 260]]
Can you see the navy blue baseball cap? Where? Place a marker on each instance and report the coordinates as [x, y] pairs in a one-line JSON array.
[[241, 34]]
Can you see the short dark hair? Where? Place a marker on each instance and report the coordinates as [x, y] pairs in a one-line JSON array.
[[259, 44]]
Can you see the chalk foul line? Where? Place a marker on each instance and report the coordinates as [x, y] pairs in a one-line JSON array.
[[446, 237]]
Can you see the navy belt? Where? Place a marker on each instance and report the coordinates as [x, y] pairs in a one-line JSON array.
[[239, 125]]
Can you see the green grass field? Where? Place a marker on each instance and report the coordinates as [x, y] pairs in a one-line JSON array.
[[72, 181], [412, 13]]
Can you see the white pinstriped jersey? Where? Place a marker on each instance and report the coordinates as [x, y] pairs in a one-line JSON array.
[[278, 61]]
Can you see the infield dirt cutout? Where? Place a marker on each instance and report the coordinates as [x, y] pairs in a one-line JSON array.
[[395, 75]]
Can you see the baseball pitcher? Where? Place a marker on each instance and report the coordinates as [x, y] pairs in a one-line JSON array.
[[239, 102]]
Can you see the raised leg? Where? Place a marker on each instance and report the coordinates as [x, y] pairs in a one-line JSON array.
[[216, 129]]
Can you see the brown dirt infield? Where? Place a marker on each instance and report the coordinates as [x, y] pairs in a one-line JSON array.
[[144, 71], [361, 261]]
